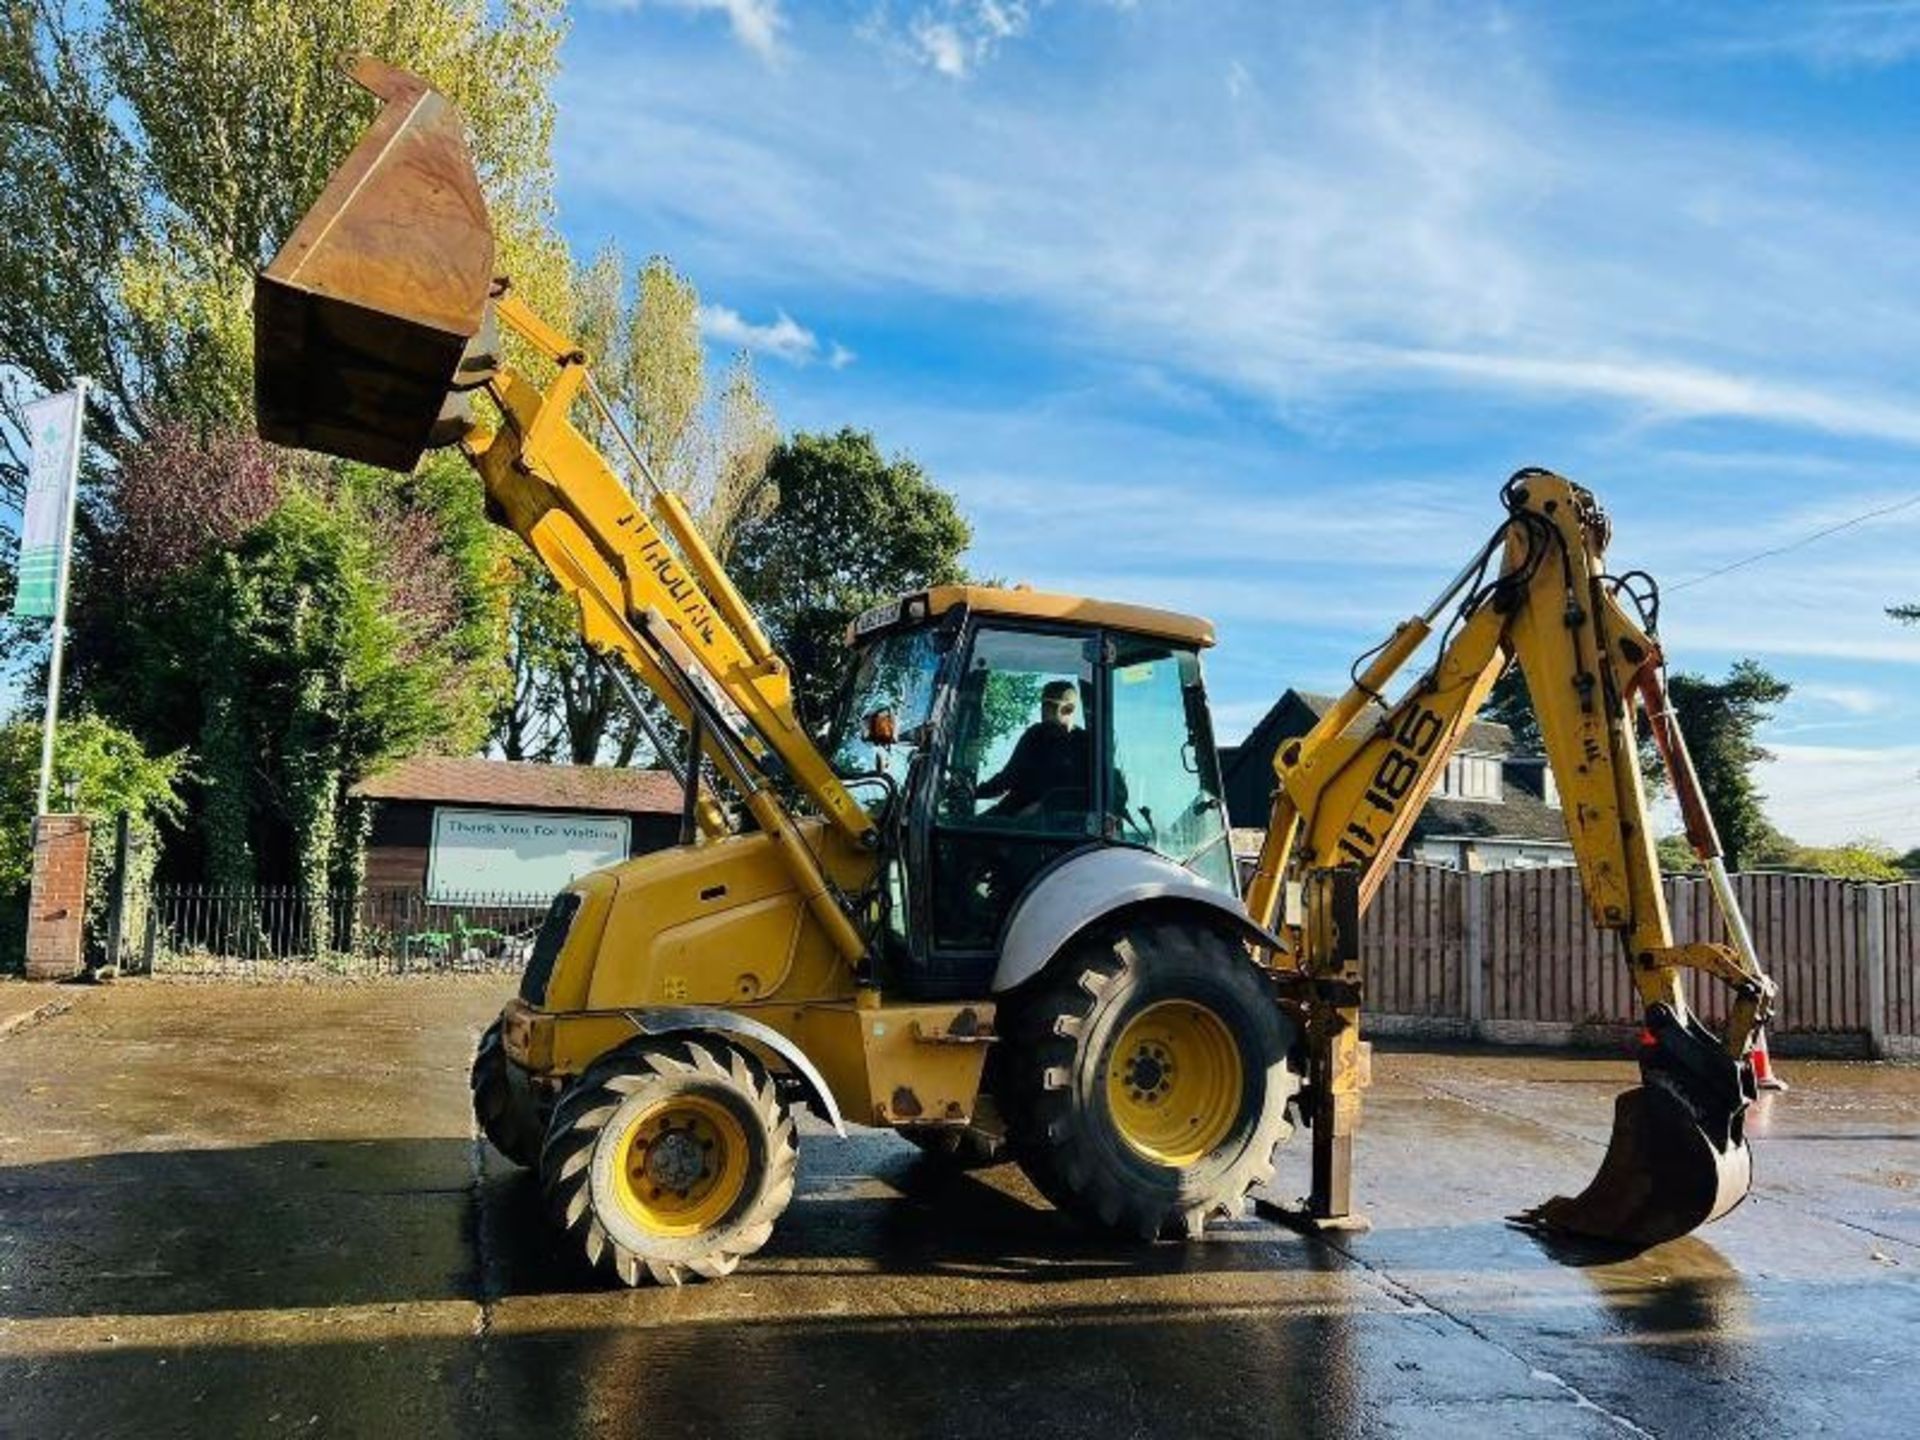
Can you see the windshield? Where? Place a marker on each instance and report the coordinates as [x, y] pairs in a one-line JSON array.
[[896, 673]]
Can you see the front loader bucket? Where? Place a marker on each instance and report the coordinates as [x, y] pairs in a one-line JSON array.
[[1677, 1158], [361, 319]]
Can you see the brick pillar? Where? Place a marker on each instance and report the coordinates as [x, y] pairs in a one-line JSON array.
[[57, 904]]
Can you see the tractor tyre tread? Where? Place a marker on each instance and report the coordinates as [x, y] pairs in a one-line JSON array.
[[1055, 1029], [646, 1068], [505, 1105]]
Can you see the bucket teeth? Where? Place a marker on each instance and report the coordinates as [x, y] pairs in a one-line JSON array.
[[1662, 1177]]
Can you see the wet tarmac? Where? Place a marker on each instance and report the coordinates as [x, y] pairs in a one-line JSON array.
[[261, 1210]]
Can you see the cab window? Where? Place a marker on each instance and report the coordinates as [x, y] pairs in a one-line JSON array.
[[1017, 788], [1023, 751], [1165, 787]]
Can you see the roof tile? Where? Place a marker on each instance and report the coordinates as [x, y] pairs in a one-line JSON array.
[[520, 785]]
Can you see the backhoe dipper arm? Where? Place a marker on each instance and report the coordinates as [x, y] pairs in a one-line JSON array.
[[1349, 792]]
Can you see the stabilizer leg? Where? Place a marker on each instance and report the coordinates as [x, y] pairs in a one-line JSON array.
[[1337, 1066]]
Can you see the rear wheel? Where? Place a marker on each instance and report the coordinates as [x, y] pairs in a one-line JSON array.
[[510, 1112], [1145, 1078], [670, 1159]]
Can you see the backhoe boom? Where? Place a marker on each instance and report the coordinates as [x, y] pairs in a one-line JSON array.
[[1539, 596]]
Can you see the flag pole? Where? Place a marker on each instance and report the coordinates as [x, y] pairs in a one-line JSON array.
[[60, 599]]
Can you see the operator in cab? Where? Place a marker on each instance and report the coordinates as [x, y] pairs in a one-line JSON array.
[[1051, 763]]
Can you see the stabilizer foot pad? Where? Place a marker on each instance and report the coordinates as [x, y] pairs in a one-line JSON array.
[[1295, 1215]]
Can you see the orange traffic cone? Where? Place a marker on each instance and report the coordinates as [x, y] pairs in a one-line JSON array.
[[1763, 1075]]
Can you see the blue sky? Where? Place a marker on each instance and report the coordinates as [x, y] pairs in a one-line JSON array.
[[1249, 309]]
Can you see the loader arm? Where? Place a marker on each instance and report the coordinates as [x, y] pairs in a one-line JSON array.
[[377, 325], [1537, 595]]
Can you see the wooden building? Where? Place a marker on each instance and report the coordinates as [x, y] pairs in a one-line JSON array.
[[460, 828]]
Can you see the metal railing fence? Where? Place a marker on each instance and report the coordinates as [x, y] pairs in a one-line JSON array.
[[213, 929]]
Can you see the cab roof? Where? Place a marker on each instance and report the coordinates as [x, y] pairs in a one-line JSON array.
[[1026, 604]]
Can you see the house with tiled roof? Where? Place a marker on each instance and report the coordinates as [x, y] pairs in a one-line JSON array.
[[455, 828], [1492, 810]]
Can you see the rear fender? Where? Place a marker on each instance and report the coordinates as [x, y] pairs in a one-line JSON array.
[[1092, 885]]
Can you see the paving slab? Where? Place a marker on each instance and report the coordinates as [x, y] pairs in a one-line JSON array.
[[261, 1209]]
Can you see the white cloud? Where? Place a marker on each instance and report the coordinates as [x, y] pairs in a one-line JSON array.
[[1680, 392], [1853, 699], [957, 36], [784, 338], [940, 46], [1366, 216], [1840, 35], [756, 24], [1827, 794]]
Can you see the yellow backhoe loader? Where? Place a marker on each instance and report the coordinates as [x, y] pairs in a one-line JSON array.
[[1001, 916]]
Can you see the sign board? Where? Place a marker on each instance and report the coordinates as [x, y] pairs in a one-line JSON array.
[[53, 431], [518, 852]]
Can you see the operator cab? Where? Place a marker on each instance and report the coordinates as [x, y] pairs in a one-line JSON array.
[[1014, 728]]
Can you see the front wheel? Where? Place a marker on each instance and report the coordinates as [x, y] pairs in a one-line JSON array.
[[670, 1159], [1145, 1077]]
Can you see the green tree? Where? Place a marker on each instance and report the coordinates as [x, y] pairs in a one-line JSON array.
[[109, 774], [1510, 705], [1676, 855], [316, 679], [332, 618], [710, 448], [1864, 859], [1721, 720], [847, 528], [155, 153]]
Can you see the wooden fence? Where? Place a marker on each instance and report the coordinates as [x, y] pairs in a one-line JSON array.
[[1512, 954]]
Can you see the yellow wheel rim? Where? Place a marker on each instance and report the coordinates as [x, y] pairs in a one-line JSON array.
[[681, 1165], [1174, 1083]]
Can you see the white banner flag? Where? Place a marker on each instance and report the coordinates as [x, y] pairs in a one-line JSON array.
[[53, 430]]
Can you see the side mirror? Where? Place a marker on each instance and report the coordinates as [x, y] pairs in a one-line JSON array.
[[881, 728]]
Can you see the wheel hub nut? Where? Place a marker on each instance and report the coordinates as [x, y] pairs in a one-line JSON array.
[[1150, 1072], [675, 1160]]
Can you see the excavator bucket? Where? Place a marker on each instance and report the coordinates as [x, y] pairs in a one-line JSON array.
[[361, 320], [1678, 1156]]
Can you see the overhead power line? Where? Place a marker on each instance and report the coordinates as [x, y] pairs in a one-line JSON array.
[[1804, 540]]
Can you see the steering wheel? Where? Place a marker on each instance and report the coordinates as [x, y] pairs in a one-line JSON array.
[[956, 794]]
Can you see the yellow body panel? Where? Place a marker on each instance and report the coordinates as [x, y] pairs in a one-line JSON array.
[[720, 923], [906, 1064], [723, 924], [884, 1064]]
